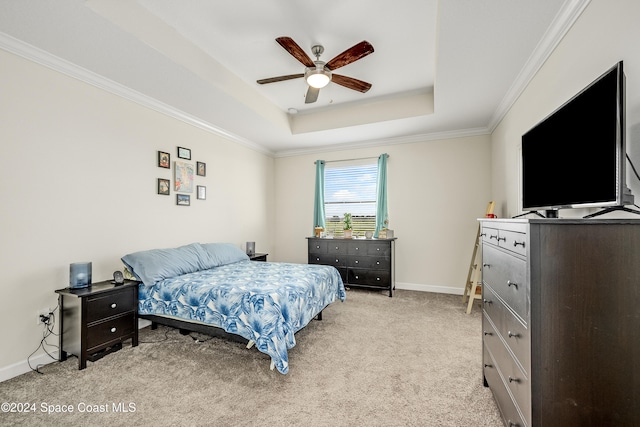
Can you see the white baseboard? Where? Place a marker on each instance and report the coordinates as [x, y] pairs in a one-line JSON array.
[[429, 288], [11, 371], [20, 368]]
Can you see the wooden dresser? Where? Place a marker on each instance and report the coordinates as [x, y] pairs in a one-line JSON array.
[[561, 320], [367, 263]]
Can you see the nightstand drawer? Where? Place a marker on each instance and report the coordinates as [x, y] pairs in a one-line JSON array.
[[110, 304], [110, 330]]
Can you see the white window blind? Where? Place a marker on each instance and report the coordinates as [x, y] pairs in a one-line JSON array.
[[350, 187]]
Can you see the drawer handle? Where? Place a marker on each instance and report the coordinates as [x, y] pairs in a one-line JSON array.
[[337, 260], [487, 301], [512, 424], [491, 236], [488, 365], [378, 279], [483, 234], [357, 277], [488, 333], [504, 239], [336, 248], [513, 334], [377, 262], [357, 261], [113, 305], [486, 265], [510, 283], [357, 248], [377, 249], [113, 329], [514, 380], [518, 243], [317, 259], [317, 246]]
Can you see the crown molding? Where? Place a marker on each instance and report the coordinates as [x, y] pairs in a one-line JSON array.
[[63, 66], [560, 26], [412, 139]]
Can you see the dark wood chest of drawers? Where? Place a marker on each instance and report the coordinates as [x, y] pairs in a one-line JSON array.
[[97, 319], [561, 320], [367, 263]]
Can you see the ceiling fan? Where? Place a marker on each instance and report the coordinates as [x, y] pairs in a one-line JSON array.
[[318, 74]]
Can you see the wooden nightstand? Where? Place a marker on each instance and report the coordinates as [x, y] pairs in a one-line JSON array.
[[258, 257], [96, 320]]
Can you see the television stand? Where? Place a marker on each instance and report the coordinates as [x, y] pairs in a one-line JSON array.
[[530, 212], [612, 209]]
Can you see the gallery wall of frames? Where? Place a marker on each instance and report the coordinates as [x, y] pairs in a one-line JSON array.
[[184, 174]]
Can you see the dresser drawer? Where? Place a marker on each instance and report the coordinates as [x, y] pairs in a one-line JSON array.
[[110, 304], [336, 260], [507, 408], [513, 239], [110, 330], [369, 262], [513, 332], [507, 275], [317, 246], [368, 277], [512, 376]]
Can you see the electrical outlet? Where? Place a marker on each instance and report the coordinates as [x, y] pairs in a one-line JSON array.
[[42, 312]]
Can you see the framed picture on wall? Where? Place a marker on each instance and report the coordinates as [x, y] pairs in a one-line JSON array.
[[183, 199], [184, 153], [164, 160], [201, 169], [201, 193], [183, 179], [163, 186]]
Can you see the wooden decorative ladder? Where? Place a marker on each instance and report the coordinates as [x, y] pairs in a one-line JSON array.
[[473, 286]]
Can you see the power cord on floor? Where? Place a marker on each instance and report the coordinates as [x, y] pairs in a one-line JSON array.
[[48, 323]]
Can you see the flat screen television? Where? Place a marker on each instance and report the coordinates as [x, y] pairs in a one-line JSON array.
[[576, 156]]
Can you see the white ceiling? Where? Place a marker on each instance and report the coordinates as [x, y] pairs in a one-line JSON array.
[[440, 68]]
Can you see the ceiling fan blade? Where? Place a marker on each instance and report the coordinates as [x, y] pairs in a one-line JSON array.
[[351, 83], [296, 51], [312, 95], [350, 55], [280, 78]]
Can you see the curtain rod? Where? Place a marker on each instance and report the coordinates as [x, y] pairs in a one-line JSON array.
[[350, 160]]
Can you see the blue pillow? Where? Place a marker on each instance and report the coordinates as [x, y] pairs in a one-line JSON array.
[[158, 264], [224, 253]]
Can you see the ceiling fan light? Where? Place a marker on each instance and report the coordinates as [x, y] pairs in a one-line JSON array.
[[318, 77]]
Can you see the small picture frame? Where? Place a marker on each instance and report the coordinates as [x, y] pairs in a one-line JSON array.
[[164, 160], [184, 153], [201, 169], [183, 200], [163, 186], [201, 192]]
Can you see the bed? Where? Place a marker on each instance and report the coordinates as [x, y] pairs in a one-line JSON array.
[[214, 287]]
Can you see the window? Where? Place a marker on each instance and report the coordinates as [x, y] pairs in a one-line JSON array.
[[350, 187]]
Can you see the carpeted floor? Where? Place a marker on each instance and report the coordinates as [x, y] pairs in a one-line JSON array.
[[411, 360]]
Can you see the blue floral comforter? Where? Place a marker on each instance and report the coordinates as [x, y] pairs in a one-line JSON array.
[[264, 302]]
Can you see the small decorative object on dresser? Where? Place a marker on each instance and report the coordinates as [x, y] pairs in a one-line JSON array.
[[366, 263], [348, 228], [96, 320], [560, 320]]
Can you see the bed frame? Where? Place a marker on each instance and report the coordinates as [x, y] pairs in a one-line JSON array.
[[186, 327]]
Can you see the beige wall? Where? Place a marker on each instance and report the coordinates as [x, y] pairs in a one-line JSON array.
[[605, 33], [436, 191], [78, 183]]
